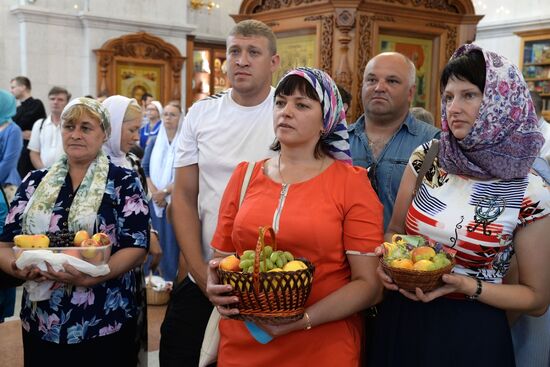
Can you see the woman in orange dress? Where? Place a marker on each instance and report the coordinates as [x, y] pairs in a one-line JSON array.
[[322, 209]]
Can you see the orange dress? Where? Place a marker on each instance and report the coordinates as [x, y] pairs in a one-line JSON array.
[[322, 218]]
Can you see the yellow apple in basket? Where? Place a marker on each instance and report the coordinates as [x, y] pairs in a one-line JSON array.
[[101, 238], [424, 265], [422, 253], [90, 252], [402, 264], [230, 263], [80, 237]]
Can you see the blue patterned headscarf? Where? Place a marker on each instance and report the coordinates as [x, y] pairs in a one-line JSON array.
[[335, 133], [504, 140], [7, 106]]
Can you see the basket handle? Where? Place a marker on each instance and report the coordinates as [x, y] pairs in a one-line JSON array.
[[259, 247]]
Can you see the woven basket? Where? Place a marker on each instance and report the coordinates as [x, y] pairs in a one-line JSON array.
[[156, 298], [272, 297], [409, 280]]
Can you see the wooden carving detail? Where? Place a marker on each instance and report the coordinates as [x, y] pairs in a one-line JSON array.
[[452, 33], [365, 27], [267, 5], [444, 5], [345, 20], [327, 30], [137, 48]]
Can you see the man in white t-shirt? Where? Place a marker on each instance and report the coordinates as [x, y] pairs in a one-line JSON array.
[[45, 145], [218, 133]]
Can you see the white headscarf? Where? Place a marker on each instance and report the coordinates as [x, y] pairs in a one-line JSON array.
[[158, 105], [117, 106], [161, 165]]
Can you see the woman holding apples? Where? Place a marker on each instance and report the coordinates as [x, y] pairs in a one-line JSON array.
[[482, 200], [83, 190], [322, 209]]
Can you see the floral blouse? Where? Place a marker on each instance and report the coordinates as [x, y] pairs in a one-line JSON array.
[[76, 314]]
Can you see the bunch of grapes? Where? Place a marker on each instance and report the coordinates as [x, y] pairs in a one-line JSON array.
[[61, 238], [269, 260]]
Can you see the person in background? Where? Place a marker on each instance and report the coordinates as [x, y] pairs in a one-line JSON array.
[[29, 111], [82, 190], [384, 137], [422, 114], [45, 145], [11, 143], [125, 123], [10, 148], [158, 164], [346, 98], [313, 166], [543, 125], [152, 127], [218, 132], [481, 200], [145, 99]]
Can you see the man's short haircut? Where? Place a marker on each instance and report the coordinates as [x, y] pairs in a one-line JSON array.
[[537, 102], [411, 74], [23, 80], [251, 27], [423, 115], [59, 90], [144, 97]]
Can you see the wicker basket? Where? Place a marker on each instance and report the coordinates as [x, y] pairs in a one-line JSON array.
[[272, 297], [409, 280], [156, 298]]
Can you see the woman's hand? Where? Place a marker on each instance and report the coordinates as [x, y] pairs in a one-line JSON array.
[[216, 292], [455, 283], [70, 276], [27, 273], [282, 329], [159, 198]]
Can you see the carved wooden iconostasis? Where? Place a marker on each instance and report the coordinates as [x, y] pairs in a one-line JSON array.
[[341, 36], [139, 63]]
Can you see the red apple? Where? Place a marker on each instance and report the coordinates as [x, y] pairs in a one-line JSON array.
[[101, 238]]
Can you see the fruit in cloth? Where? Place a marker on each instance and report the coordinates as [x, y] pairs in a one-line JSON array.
[[102, 239], [424, 265], [31, 241], [402, 263], [230, 263], [294, 265], [90, 251], [80, 237], [422, 253]]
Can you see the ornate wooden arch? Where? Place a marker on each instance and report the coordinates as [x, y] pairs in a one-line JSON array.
[[348, 31], [140, 50]]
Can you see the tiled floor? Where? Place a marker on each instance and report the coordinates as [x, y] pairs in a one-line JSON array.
[[11, 349]]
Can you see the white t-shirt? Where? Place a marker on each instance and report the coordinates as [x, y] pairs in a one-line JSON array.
[[218, 134], [46, 141]]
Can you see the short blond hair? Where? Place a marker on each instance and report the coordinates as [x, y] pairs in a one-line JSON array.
[[77, 111], [252, 27]]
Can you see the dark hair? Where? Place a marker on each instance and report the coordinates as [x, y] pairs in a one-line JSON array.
[[468, 67], [346, 96], [537, 102], [60, 90], [23, 80], [144, 96], [287, 87]]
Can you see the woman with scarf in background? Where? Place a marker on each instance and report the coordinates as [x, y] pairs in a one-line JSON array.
[[153, 112], [87, 320], [482, 200], [125, 123], [158, 164], [331, 216]]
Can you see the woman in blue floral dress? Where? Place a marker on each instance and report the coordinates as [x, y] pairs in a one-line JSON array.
[[87, 320]]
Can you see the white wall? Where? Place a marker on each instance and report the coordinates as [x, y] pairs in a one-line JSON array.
[[52, 41], [504, 17]]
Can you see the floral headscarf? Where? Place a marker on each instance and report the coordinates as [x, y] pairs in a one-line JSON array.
[[334, 117], [105, 119], [504, 140], [7, 106]]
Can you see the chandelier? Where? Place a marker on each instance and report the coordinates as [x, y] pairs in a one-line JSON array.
[[199, 4]]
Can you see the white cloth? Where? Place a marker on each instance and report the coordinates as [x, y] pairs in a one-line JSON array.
[[218, 134], [544, 129], [117, 106], [43, 290], [161, 166], [46, 141]]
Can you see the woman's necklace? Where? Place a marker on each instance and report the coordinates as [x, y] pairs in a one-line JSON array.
[[281, 173]]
